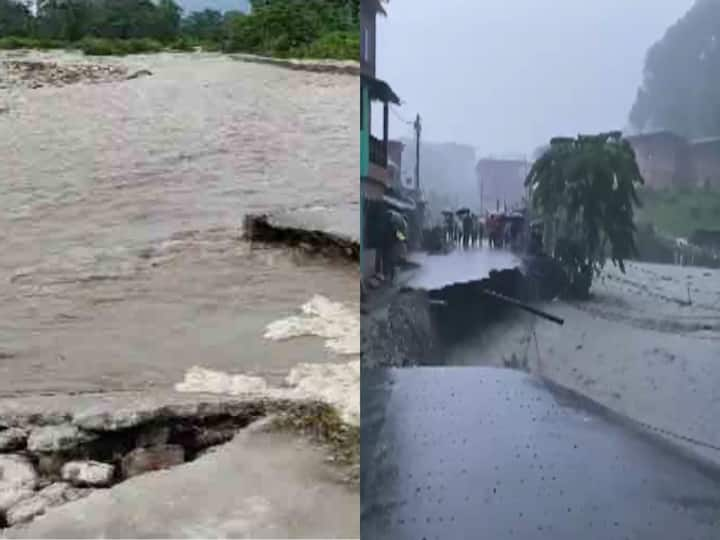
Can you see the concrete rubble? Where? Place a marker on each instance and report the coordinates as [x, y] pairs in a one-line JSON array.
[[57, 438], [33, 74], [98, 441], [12, 439], [88, 473]]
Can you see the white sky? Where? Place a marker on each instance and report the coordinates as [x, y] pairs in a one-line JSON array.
[[507, 75]]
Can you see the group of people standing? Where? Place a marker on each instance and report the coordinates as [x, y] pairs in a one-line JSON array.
[[465, 229]]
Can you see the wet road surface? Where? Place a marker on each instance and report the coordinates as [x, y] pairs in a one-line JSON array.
[[491, 453], [459, 266]]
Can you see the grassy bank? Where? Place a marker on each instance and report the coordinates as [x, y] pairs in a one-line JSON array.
[[680, 212], [334, 46], [107, 47], [322, 29]]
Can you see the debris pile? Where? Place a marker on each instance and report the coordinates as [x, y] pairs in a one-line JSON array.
[[48, 459], [38, 74]]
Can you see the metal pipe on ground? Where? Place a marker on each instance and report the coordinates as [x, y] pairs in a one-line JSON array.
[[524, 306]]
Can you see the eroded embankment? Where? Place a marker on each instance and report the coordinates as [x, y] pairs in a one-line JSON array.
[[263, 228], [415, 327], [48, 459], [316, 66]]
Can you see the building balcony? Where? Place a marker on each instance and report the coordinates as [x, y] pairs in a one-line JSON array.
[[378, 152]]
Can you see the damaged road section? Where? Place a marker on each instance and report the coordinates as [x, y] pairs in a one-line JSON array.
[[276, 230], [452, 298], [90, 442]]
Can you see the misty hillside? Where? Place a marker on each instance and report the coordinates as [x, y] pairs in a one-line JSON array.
[[220, 5]]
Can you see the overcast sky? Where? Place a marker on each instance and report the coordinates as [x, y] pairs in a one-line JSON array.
[[506, 75]]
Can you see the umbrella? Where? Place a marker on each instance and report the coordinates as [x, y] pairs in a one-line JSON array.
[[463, 211]]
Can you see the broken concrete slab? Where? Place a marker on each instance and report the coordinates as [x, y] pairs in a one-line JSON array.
[[88, 473], [305, 501], [13, 439], [329, 233], [26, 510], [57, 438], [460, 266], [36, 503], [54, 494], [17, 472]]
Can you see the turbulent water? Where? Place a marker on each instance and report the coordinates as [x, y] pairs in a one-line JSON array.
[[121, 206]]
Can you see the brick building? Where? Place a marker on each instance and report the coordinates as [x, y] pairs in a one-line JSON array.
[[664, 159], [705, 156]]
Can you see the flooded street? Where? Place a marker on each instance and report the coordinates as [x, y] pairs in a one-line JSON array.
[[638, 347], [120, 219]]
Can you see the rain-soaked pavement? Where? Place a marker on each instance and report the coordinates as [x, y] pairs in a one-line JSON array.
[[492, 453], [459, 266]]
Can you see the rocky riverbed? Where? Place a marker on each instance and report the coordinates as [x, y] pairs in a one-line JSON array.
[[33, 74]]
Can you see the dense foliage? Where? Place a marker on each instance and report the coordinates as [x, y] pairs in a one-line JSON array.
[[680, 212], [682, 76], [286, 28], [321, 28], [585, 189]]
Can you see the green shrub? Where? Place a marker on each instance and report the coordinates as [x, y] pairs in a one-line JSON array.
[[336, 45], [118, 47], [142, 45], [14, 42], [99, 47], [183, 44], [292, 28]]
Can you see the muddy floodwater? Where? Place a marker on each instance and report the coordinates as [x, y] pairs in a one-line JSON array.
[[121, 206]]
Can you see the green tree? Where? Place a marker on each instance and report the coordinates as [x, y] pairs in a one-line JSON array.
[[585, 189], [168, 16], [287, 27], [68, 20], [206, 25], [15, 18], [681, 77]]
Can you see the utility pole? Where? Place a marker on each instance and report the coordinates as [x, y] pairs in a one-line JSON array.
[[418, 129]]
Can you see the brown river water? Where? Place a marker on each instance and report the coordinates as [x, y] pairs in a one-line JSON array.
[[121, 207]]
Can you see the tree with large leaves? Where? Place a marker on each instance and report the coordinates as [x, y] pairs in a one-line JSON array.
[[585, 191]]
